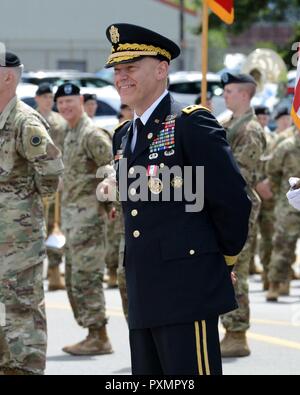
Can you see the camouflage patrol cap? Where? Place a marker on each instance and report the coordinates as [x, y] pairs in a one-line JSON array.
[[9, 59]]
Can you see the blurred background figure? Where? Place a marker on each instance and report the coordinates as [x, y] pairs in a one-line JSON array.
[[86, 149], [209, 103], [125, 114], [44, 99], [283, 120], [248, 143], [90, 104], [263, 115], [284, 162], [116, 241]]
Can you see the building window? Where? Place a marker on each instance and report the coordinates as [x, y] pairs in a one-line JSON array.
[[79, 65]]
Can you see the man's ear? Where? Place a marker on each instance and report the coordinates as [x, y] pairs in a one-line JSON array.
[[162, 70], [9, 76]]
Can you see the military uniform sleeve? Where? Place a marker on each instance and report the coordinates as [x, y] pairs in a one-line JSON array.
[[276, 166], [248, 154], [37, 147], [99, 148], [204, 144]]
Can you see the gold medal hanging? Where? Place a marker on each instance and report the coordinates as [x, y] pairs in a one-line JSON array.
[[155, 185]]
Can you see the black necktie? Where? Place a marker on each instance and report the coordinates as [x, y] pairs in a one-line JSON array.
[[139, 127]]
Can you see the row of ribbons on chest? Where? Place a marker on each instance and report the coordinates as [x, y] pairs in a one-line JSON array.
[[165, 139]]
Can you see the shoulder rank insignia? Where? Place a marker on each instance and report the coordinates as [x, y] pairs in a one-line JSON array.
[[190, 109], [120, 125]]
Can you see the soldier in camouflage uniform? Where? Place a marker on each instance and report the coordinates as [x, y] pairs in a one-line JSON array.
[[284, 130], [116, 243], [265, 220], [112, 255], [283, 120], [45, 100], [266, 217], [120, 234], [284, 164], [85, 220], [247, 142], [105, 192], [90, 104], [30, 165], [126, 113]]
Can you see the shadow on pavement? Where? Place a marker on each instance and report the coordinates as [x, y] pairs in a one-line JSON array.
[[69, 358]]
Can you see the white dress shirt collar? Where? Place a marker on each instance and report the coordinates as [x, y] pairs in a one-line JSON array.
[[147, 114]]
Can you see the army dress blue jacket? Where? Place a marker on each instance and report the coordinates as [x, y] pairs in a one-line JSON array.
[[178, 263]]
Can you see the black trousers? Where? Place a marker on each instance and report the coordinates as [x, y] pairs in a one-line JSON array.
[[182, 349]]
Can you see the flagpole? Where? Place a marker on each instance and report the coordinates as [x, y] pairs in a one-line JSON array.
[[205, 17]]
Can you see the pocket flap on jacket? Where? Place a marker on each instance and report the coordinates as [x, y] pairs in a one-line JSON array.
[[188, 245]]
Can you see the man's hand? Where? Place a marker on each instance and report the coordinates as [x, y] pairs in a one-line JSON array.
[[112, 215], [293, 194], [107, 190], [234, 278], [263, 188]]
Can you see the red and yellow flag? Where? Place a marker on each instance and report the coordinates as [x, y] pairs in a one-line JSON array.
[[296, 102], [223, 8]]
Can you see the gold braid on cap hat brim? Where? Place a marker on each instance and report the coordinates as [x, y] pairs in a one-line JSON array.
[[131, 51]]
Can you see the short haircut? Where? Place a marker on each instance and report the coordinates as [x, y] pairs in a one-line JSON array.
[[18, 71], [249, 88]]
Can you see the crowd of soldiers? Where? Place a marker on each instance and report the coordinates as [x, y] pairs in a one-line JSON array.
[[42, 152], [37, 147], [267, 160]]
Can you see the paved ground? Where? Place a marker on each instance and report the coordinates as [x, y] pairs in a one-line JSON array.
[[274, 337]]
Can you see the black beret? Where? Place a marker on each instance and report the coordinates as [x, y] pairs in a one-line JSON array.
[[89, 96], [44, 88], [67, 89], [130, 43], [11, 60], [282, 112], [228, 78], [262, 110]]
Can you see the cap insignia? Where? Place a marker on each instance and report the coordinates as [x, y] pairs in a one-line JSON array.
[[114, 35]]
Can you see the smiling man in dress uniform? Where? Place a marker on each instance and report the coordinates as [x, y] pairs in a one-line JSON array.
[[177, 263]]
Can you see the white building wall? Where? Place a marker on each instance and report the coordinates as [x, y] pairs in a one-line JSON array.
[[44, 32]]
